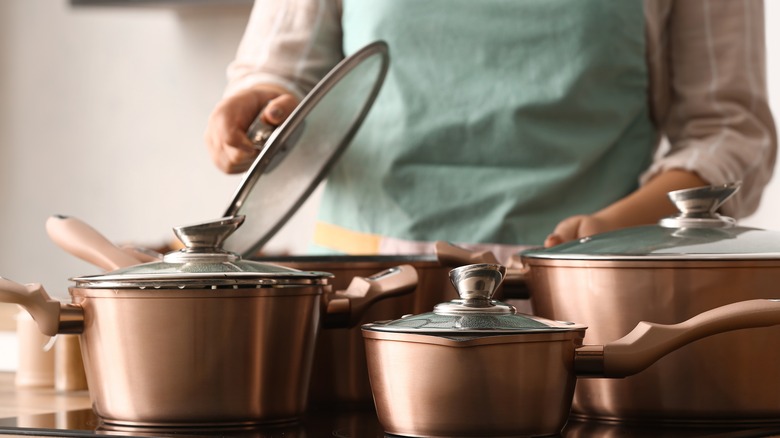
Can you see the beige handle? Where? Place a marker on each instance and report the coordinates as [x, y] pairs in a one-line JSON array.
[[44, 310], [514, 284], [347, 306], [649, 342], [143, 255], [86, 243], [453, 255]]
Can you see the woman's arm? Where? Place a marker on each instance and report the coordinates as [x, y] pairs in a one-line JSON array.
[[709, 99], [287, 47]]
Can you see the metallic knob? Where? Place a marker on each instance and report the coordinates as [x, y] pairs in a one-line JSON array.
[[478, 281], [203, 242], [698, 207], [208, 234], [476, 285]]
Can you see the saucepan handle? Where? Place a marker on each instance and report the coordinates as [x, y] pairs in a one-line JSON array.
[[451, 254], [649, 342], [81, 240], [45, 311], [346, 307], [514, 284]]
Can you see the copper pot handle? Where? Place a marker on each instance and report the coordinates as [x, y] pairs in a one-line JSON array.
[[514, 282], [51, 316], [451, 254], [81, 240], [345, 308], [648, 342]]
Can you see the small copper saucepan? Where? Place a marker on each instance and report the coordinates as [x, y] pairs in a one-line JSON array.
[[475, 367]]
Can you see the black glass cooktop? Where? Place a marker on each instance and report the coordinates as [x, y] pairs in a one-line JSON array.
[[343, 423]]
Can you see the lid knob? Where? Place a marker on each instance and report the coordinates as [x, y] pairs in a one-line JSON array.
[[698, 207], [204, 240], [476, 285], [478, 281], [208, 234]]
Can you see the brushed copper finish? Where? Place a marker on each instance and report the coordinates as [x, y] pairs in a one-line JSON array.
[[728, 378], [430, 387], [340, 374], [203, 357]]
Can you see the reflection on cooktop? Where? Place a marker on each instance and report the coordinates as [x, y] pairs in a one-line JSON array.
[[344, 423], [359, 423]]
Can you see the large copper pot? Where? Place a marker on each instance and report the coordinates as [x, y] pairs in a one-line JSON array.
[[666, 274], [474, 367], [202, 337]]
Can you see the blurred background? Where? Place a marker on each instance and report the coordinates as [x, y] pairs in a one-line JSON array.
[[102, 113]]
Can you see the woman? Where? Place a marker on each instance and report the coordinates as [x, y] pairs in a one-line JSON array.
[[501, 118]]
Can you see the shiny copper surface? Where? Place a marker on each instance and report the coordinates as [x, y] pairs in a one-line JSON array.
[[727, 378], [202, 357], [340, 373], [429, 386]]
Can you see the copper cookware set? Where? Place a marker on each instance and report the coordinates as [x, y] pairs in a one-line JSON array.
[[474, 367], [202, 336]]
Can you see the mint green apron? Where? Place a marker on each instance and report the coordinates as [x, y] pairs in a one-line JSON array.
[[498, 118]]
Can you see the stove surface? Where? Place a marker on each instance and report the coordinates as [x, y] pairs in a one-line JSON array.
[[344, 423]]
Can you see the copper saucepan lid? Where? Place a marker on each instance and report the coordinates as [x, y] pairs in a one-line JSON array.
[[203, 263], [475, 313]]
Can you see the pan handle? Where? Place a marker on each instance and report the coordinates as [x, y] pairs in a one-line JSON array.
[[649, 342], [51, 316], [451, 254], [79, 239], [514, 285], [346, 307]]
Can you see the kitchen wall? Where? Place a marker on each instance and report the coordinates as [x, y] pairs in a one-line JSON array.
[[102, 111]]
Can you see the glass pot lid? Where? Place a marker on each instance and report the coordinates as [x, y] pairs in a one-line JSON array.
[[203, 263], [474, 313], [295, 157], [697, 232]]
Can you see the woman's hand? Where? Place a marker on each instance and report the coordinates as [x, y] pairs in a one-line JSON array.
[[647, 205], [576, 227], [230, 148]]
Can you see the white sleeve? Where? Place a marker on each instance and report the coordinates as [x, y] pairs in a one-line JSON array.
[[718, 122], [288, 43]]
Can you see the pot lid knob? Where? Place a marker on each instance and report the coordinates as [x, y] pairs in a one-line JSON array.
[[698, 207], [204, 240], [476, 285]]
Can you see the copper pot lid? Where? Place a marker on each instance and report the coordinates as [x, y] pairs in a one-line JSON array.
[[698, 232], [203, 263], [295, 157], [474, 313]]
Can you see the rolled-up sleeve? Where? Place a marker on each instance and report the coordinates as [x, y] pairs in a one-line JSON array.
[[710, 99], [288, 43]]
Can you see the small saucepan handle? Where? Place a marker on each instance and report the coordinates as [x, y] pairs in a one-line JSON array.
[[649, 342]]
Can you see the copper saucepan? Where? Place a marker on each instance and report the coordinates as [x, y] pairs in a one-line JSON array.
[[667, 273], [340, 373], [475, 367], [202, 337]]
